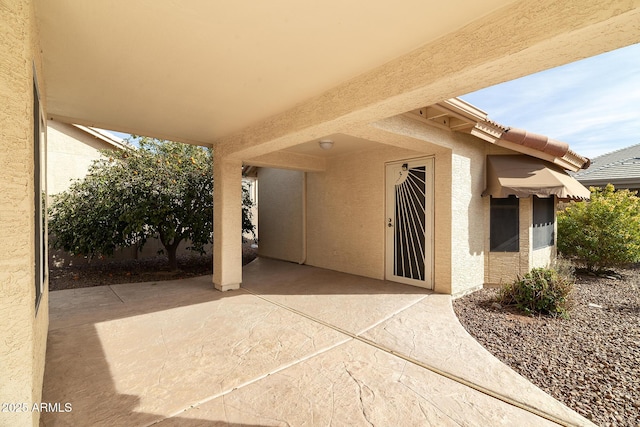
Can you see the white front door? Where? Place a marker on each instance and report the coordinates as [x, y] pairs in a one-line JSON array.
[[409, 222]]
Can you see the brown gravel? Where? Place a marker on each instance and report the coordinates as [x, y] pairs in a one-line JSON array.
[[134, 271], [590, 362]]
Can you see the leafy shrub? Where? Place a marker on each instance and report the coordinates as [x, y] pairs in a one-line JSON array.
[[162, 189], [541, 291], [603, 232]]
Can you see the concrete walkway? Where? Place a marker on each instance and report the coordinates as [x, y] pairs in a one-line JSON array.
[[295, 346]]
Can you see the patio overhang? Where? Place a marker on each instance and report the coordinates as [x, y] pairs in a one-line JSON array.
[[524, 176], [251, 81]]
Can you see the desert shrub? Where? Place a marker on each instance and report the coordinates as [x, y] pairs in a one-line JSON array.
[[601, 233], [541, 291]]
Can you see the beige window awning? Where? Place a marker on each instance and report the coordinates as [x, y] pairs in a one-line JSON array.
[[523, 176]]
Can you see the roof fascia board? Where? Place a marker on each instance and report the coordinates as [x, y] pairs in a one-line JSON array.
[[614, 181], [463, 109], [116, 143]]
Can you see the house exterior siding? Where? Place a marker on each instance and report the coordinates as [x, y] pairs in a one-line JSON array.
[[503, 267], [467, 237], [345, 213], [24, 333], [477, 54]]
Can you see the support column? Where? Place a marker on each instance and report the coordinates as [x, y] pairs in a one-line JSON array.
[[227, 223]]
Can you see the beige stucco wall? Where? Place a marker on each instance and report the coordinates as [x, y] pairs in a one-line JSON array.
[[459, 213], [227, 214], [70, 152], [346, 212], [24, 332], [542, 257], [443, 222], [281, 220], [467, 216], [346, 207]]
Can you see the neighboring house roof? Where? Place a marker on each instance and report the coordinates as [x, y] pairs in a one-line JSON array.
[[106, 136], [620, 168], [458, 115], [71, 150]]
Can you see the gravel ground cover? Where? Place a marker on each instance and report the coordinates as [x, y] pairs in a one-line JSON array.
[[590, 362]]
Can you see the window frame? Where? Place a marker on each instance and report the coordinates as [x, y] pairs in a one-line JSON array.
[[39, 196]]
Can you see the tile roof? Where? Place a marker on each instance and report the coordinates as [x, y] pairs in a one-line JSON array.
[[458, 115], [623, 164]]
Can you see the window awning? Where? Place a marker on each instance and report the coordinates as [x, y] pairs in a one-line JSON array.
[[523, 176]]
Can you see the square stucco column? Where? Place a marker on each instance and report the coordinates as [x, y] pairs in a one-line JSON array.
[[227, 223]]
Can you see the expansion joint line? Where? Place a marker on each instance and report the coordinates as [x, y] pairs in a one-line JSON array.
[[435, 370]]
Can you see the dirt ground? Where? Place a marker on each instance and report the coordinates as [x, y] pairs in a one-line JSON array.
[[133, 271]]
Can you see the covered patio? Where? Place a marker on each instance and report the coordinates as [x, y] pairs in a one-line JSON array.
[[296, 345], [254, 83]]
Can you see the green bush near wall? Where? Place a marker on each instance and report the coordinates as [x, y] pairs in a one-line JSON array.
[[601, 233]]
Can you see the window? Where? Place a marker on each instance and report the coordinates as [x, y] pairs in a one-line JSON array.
[[505, 225], [543, 222], [39, 186]]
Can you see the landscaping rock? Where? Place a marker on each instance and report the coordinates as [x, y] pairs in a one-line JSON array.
[[590, 362]]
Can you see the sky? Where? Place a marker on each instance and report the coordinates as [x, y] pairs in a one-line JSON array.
[[592, 104]]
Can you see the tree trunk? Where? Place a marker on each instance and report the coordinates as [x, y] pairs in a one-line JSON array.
[[173, 260], [171, 248]]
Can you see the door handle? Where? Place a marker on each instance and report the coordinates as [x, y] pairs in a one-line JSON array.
[[389, 224]]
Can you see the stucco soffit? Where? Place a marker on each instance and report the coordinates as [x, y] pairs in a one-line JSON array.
[[288, 160], [514, 51]]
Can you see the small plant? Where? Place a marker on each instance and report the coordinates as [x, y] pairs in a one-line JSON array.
[[541, 291]]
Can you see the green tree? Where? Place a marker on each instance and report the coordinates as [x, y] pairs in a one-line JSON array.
[[603, 232], [162, 189]]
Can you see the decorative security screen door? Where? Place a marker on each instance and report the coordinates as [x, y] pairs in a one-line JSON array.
[[409, 222]]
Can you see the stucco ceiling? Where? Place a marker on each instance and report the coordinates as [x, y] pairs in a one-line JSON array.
[[342, 144], [200, 70]]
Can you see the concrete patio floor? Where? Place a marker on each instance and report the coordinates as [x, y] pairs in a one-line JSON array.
[[295, 346]]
